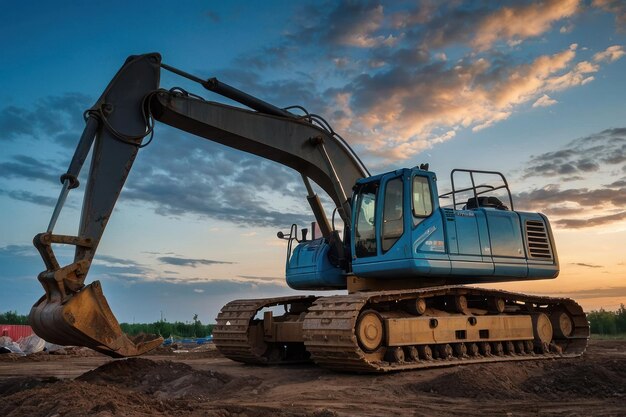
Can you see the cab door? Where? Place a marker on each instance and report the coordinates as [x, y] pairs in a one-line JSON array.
[[381, 246]]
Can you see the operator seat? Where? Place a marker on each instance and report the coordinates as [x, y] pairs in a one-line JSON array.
[[493, 202]]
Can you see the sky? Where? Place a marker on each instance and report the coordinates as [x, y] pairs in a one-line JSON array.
[[536, 90]]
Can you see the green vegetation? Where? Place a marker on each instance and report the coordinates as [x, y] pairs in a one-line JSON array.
[[11, 317], [608, 322], [163, 328], [166, 329]]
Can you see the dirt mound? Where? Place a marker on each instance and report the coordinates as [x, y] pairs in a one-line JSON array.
[[13, 385], [78, 398], [578, 380], [75, 398], [543, 379], [495, 381], [163, 379], [73, 351], [78, 351]]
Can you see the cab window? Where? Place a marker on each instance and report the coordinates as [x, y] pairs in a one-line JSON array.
[[422, 202], [365, 233], [393, 225]]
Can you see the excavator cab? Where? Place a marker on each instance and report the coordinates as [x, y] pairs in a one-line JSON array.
[[403, 235]]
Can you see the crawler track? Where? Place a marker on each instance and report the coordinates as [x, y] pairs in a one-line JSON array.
[[329, 330], [239, 336]]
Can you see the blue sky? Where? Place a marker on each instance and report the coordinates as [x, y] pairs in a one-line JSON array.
[[534, 89]]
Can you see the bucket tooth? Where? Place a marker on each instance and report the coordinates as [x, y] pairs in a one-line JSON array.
[[85, 319]]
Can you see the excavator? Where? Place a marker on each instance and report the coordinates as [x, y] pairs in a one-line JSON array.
[[403, 252]]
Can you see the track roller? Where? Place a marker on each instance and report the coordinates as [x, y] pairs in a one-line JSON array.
[[412, 353], [395, 354], [497, 349], [425, 352], [460, 350], [445, 351]]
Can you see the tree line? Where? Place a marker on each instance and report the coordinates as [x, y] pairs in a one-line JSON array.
[[602, 322], [167, 329], [608, 322], [162, 327]]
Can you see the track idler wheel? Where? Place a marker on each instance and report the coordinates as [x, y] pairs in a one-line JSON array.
[[370, 331], [85, 319]]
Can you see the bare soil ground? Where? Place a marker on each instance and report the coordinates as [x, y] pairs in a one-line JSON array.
[[202, 383]]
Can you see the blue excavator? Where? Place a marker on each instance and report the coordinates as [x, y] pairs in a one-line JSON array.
[[403, 252]]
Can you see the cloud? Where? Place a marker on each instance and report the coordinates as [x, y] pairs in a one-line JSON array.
[[617, 184], [581, 156], [402, 81], [179, 261], [347, 24], [50, 117], [482, 25], [124, 270], [586, 265], [544, 101], [591, 222], [404, 110], [107, 259], [595, 293], [612, 53], [264, 280], [354, 24], [23, 166], [195, 178], [209, 180], [603, 205], [30, 169], [29, 197], [582, 196], [520, 22], [18, 251], [591, 205], [617, 7]]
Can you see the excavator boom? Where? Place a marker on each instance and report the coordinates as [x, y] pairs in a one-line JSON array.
[[71, 312]]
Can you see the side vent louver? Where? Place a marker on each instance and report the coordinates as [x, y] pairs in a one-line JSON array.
[[449, 214], [538, 242]]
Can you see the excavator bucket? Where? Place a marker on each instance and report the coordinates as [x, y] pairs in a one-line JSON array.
[[85, 319]]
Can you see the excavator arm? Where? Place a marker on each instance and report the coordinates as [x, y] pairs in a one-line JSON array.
[[73, 313]]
